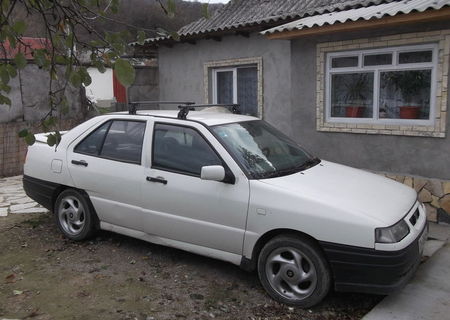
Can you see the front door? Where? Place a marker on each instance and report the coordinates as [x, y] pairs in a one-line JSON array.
[[178, 205]]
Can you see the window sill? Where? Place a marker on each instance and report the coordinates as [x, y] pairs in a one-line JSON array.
[[380, 128]]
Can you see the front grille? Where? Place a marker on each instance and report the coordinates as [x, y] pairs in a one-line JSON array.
[[414, 217]]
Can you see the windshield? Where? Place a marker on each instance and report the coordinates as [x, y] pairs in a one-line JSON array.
[[263, 151]]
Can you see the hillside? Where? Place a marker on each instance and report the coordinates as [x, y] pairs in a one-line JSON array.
[[146, 14]]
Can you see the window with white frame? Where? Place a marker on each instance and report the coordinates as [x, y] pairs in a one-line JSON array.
[[237, 85], [386, 86]]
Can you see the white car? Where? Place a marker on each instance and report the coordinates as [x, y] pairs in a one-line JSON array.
[[233, 188]]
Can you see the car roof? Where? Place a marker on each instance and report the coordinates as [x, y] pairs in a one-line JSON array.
[[207, 117]]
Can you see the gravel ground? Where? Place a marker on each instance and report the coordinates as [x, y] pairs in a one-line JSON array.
[[45, 276]]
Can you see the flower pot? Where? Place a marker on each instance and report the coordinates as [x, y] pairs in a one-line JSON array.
[[409, 112], [354, 111]]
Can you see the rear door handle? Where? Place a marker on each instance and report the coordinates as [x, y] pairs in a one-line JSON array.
[[157, 179], [80, 163]]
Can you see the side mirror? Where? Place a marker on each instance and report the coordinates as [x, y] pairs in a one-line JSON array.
[[214, 173]]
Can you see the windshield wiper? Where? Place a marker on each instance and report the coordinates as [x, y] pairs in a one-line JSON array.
[[310, 163], [284, 172]]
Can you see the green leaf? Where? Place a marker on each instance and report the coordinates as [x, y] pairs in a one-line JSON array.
[[171, 8], [4, 74], [19, 27], [5, 5], [175, 36], [141, 37], [125, 72], [30, 139], [20, 60], [51, 121], [58, 137], [23, 133], [205, 10], [115, 6], [11, 70], [51, 140], [53, 74], [40, 58], [5, 87], [61, 59], [12, 40], [75, 79], [100, 66], [4, 100], [64, 106], [85, 77], [69, 41]]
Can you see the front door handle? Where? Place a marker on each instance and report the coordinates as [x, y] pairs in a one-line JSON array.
[[80, 163], [157, 179]]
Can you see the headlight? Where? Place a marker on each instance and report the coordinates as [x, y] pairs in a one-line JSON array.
[[393, 233]]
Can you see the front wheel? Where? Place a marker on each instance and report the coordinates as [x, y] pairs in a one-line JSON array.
[[293, 271], [74, 215]]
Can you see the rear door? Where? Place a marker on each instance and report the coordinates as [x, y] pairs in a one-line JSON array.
[[107, 164], [177, 204]]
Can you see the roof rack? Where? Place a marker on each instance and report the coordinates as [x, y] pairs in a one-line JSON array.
[[184, 110], [132, 107]]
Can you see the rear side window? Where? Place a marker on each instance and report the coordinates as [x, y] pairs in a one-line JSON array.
[[119, 140], [124, 141], [182, 150]]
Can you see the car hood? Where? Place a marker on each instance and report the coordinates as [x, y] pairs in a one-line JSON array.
[[348, 189]]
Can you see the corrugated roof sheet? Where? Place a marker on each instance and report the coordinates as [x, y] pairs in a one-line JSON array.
[[238, 14], [372, 12]]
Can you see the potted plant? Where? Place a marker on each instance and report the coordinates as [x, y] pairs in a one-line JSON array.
[[356, 96], [410, 84]]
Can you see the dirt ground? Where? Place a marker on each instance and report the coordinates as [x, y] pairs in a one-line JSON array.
[[45, 276]]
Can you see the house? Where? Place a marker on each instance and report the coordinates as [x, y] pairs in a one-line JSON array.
[[363, 83]]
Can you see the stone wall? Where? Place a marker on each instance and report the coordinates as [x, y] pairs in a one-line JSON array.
[[435, 194], [13, 148]]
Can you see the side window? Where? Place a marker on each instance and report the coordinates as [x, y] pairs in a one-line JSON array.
[[123, 141], [181, 149], [92, 144]]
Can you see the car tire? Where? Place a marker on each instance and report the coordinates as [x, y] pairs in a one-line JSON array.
[[75, 215], [293, 270]]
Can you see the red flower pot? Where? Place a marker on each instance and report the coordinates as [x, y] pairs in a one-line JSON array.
[[354, 111], [409, 112]]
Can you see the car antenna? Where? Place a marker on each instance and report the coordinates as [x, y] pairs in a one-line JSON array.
[[132, 107]]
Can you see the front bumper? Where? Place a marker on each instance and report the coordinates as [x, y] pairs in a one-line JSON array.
[[372, 271]]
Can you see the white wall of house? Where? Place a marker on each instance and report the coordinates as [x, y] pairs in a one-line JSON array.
[[101, 87]]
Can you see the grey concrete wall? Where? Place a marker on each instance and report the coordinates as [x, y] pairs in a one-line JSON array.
[[289, 86], [428, 157], [29, 97], [181, 70], [145, 86]]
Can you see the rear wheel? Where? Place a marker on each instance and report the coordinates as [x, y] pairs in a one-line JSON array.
[[293, 271], [74, 215]]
